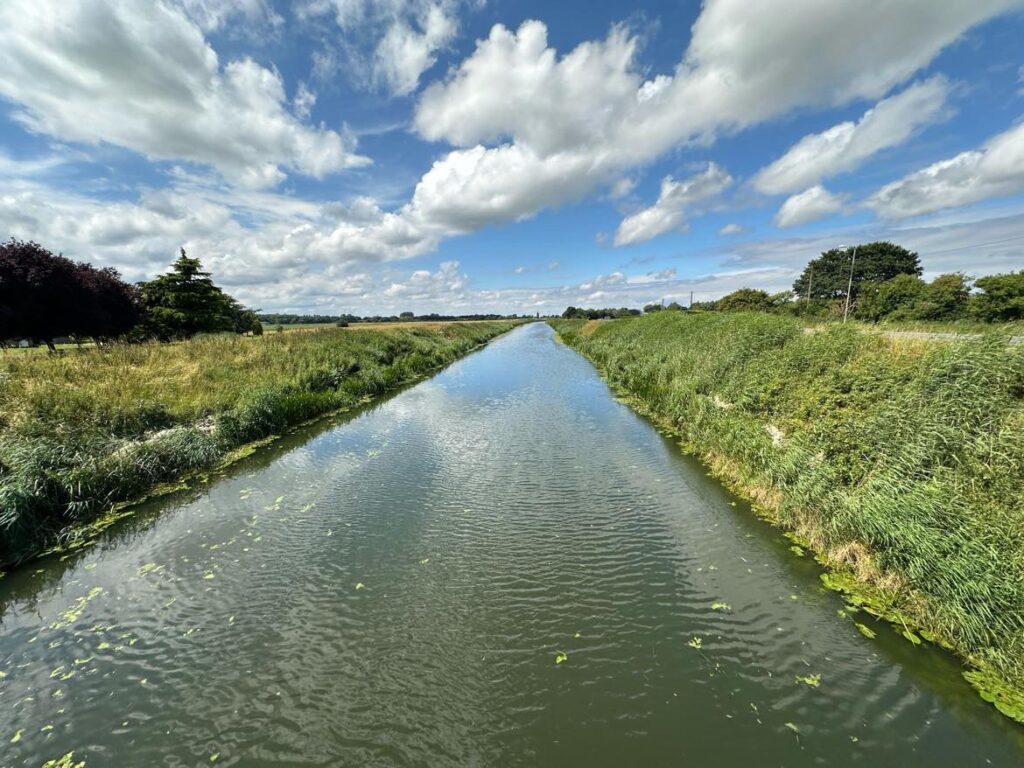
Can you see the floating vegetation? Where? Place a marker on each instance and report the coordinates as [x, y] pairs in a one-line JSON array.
[[148, 568], [695, 642], [908, 635], [1005, 698], [424, 561], [812, 680], [721, 607], [360, 585], [561, 657], [868, 632], [793, 727], [64, 761], [72, 614], [17, 736]]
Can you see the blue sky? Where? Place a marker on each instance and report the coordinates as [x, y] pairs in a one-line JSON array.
[[488, 155]]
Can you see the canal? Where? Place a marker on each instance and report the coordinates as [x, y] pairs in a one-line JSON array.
[[500, 566]]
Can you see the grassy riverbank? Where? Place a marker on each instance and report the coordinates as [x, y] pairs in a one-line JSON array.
[[900, 461], [85, 429]]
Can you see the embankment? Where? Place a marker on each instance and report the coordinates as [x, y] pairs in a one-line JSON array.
[[899, 461], [84, 430]]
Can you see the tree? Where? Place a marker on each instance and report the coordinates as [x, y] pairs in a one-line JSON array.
[[745, 300], [43, 297], [113, 307], [408, 315], [648, 308], [878, 301], [184, 302], [829, 274], [1001, 298], [944, 298]]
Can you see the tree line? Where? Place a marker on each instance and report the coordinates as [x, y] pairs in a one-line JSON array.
[[284, 318], [884, 284], [579, 313], [46, 296]]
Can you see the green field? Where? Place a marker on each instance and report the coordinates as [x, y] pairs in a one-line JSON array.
[[899, 461], [84, 429]]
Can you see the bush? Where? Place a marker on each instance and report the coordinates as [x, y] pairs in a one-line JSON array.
[[878, 301], [745, 300], [1001, 298]]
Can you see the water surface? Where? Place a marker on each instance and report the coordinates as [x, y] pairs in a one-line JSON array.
[[396, 589]]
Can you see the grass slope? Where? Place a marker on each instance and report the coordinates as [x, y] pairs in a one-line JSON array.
[[900, 461], [85, 429]]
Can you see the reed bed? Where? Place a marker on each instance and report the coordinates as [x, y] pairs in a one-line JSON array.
[[900, 461], [85, 429]]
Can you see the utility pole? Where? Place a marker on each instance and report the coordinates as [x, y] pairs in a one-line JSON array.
[[690, 306], [849, 285]]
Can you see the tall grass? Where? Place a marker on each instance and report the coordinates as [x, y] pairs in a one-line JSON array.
[[900, 459], [85, 429]]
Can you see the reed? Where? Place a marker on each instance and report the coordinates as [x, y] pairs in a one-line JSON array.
[[901, 461]]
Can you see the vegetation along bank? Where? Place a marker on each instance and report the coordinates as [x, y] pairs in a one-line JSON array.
[[83, 430], [899, 461]]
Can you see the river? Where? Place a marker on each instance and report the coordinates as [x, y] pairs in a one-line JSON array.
[[499, 566]]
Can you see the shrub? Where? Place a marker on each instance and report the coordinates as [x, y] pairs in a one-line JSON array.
[[1001, 298]]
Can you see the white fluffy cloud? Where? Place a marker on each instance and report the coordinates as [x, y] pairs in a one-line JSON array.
[[423, 284], [810, 205], [845, 146], [996, 169], [669, 212], [389, 44], [405, 53], [530, 128], [140, 75], [518, 110], [516, 87]]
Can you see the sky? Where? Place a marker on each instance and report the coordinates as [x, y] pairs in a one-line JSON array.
[[458, 156]]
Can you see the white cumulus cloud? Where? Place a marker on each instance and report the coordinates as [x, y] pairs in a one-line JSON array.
[[994, 170], [669, 212], [845, 146], [519, 110], [810, 205], [140, 75]]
